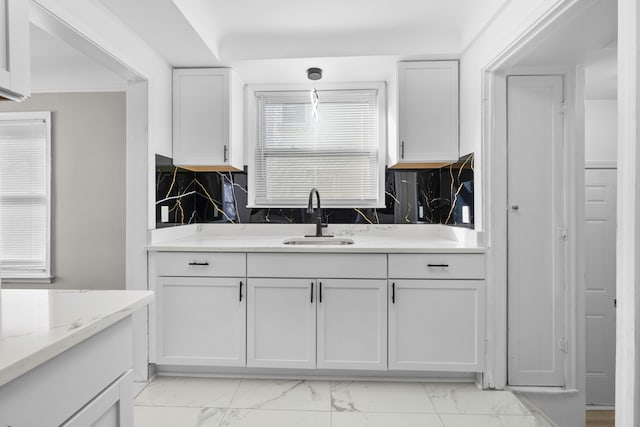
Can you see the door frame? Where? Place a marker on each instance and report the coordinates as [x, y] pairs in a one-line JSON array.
[[494, 203], [138, 173]]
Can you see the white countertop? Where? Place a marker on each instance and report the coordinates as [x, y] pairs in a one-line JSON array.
[[269, 238], [37, 325]]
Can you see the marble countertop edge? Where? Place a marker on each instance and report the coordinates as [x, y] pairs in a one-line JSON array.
[[23, 363]]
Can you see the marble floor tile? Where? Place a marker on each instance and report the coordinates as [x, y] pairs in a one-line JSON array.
[[469, 399], [191, 392], [458, 420], [378, 419], [168, 416], [283, 394], [365, 396], [275, 418]]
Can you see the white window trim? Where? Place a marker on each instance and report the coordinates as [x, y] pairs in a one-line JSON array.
[[12, 276], [250, 115]]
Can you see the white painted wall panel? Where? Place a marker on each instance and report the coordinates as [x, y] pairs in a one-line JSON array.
[[601, 131]]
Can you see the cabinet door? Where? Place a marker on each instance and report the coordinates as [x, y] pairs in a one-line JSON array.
[[15, 59], [436, 325], [352, 324], [281, 323], [113, 407], [201, 321], [202, 117], [428, 111]]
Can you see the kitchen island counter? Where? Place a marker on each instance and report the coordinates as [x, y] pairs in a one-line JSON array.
[[66, 356]]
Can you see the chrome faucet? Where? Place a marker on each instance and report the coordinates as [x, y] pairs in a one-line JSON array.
[[319, 224]]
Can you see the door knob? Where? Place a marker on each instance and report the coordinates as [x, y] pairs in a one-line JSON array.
[[515, 207]]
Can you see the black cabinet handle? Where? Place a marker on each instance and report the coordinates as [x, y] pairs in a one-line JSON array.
[[241, 291], [393, 293], [311, 292], [402, 150], [199, 263], [225, 154], [438, 265], [320, 293]]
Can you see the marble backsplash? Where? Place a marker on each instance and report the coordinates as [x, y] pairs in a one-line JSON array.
[[431, 196]]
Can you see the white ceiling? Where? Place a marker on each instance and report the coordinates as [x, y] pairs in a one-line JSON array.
[[275, 41], [573, 39], [57, 67], [199, 32]]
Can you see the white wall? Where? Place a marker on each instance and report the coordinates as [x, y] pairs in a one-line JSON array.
[[95, 22], [511, 27], [512, 20], [601, 131], [88, 187]]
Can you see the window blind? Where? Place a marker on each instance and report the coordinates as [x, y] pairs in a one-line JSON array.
[[337, 153], [24, 198]]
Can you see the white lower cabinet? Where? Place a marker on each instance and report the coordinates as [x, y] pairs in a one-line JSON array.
[[436, 325], [319, 311], [281, 323], [352, 324], [201, 321], [317, 323], [113, 407]]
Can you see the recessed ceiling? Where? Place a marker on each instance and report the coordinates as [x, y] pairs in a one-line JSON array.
[[183, 31]]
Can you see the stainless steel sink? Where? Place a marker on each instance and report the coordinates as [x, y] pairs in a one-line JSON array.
[[328, 241]]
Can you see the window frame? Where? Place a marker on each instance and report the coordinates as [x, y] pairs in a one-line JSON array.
[[31, 276], [252, 140]]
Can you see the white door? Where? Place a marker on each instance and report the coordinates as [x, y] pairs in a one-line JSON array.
[[436, 325], [600, 218], [281, 323], [352, 324], [536, 253], [201, 321]]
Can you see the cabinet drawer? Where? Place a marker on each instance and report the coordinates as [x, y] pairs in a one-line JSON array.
[[203, 264], [436, 266], [340, 266]]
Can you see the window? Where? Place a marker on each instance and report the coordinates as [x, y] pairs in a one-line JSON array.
[[341, 153], [25, 193]]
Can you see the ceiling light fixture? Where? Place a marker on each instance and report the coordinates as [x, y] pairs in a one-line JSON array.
[[314, 74]]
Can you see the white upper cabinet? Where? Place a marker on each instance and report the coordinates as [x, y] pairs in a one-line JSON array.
[[15, 59], [427, 113], [207, 119]]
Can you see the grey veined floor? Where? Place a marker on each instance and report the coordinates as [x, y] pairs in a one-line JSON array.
[[208, 402]]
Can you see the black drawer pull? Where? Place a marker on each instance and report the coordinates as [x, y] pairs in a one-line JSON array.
[[393, 293], [241, 291], [311, 292], [320, 293], [438, 265], [199, 263]]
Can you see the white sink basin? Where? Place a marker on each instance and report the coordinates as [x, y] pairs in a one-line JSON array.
[[329, 241]]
